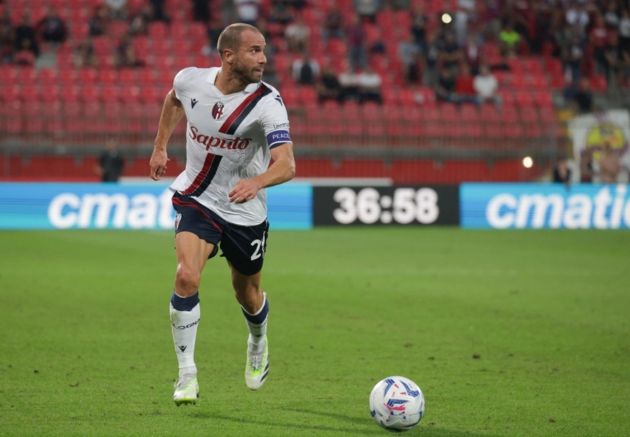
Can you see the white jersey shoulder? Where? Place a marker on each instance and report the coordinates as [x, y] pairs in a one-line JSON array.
[[228, 138]]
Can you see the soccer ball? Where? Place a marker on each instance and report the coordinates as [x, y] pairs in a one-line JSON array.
[[397, 403]]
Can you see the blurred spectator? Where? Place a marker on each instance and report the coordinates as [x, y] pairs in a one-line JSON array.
[[419, 28], [624, 47], [472, 51], [125, 55], [25, 35], [377, 47], [158, 11], [573, 56], [25, 54], [577, 16], [542, 34], [83, 54], [213, 30], [624, 30], [449, 55], [110, 163], [598, 37], [297, 34], [611, 59], [305, 70], [445, 86], [509, 39], [297, 4], [399, 5], [611, 14], [247, 11], [328, 86], [7, 38], [99, 21], [609, 165], [333, 24], [52, 27], [355, 37], [349, 81], [367, 9], [486, 86], [139, 21], [587, 170], [465, 8], [117, 9], [580, 95], [464, 85], [369, 83], [201, 10], [409, 55], [562, 171], [280, 13]]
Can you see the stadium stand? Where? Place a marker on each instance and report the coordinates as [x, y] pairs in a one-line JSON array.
[[109, 75]]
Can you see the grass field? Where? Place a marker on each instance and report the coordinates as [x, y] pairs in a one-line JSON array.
[[508, 334]]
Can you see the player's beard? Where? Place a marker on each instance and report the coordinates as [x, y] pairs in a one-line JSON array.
[[245, 74]]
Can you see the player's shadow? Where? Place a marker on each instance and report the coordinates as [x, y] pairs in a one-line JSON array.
[[297, 426], [361, 424], [426, 430]]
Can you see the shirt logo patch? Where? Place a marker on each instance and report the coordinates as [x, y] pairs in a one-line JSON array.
[[217, 110], [193, 102]]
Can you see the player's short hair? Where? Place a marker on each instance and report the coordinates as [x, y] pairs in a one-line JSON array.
[[230, 37]]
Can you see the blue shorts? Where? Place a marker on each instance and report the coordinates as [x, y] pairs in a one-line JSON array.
[[243, 246]]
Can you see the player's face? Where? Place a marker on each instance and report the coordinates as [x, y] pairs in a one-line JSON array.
[[250, 59]]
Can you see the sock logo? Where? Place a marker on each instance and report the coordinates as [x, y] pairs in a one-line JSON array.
[[182, 347], [189, 325]]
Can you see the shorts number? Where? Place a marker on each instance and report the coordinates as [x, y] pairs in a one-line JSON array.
[[259, 249]]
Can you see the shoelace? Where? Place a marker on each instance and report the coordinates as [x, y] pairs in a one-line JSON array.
[[256, 360]]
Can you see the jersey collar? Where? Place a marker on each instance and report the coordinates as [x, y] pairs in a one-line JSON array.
[[213, 77]]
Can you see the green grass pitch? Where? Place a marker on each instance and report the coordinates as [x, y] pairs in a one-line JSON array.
[[522, 333]]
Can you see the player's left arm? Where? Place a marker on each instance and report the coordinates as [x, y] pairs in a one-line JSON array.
[[281, 170]]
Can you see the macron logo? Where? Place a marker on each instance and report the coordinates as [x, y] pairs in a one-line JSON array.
[[193, 102]]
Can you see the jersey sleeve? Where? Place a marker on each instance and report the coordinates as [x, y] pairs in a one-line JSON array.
[[182, 81], [275, 121]]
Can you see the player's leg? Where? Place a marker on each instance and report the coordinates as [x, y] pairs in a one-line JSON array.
[[244, 247], [185, 312], [255, 307]]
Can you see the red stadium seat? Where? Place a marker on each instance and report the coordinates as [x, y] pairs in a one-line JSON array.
[[107, 76]]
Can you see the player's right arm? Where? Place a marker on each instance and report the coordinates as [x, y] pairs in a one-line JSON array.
[[172, 113]]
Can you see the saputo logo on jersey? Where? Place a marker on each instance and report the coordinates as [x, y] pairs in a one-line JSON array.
[[209, 141]]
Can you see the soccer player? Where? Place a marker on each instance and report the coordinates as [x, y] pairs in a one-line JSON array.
[[237, 143]]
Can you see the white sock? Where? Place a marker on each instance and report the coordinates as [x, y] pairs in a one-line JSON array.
[[184, 327], [257, 323]]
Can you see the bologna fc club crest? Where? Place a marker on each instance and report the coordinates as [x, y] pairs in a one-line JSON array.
[[217, 110]]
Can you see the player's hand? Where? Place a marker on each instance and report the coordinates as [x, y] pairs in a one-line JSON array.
[[157, 163], [244, 190]]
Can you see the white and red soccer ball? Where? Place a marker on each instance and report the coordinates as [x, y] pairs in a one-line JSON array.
[[397, 403]]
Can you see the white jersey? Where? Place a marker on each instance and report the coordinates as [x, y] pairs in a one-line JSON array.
[[228, 138]]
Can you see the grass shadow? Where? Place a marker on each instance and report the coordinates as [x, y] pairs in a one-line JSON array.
[[362, 424], [288, 425], [424, 428]]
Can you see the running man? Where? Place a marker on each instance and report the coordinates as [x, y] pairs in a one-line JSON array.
[[237, 144]]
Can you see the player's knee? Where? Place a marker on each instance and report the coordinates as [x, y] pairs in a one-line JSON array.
[[187, 280]]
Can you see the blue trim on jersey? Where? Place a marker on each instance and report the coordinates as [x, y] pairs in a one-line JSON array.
[[278, 137], [184, 303], [250, 106], [208, 177]]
